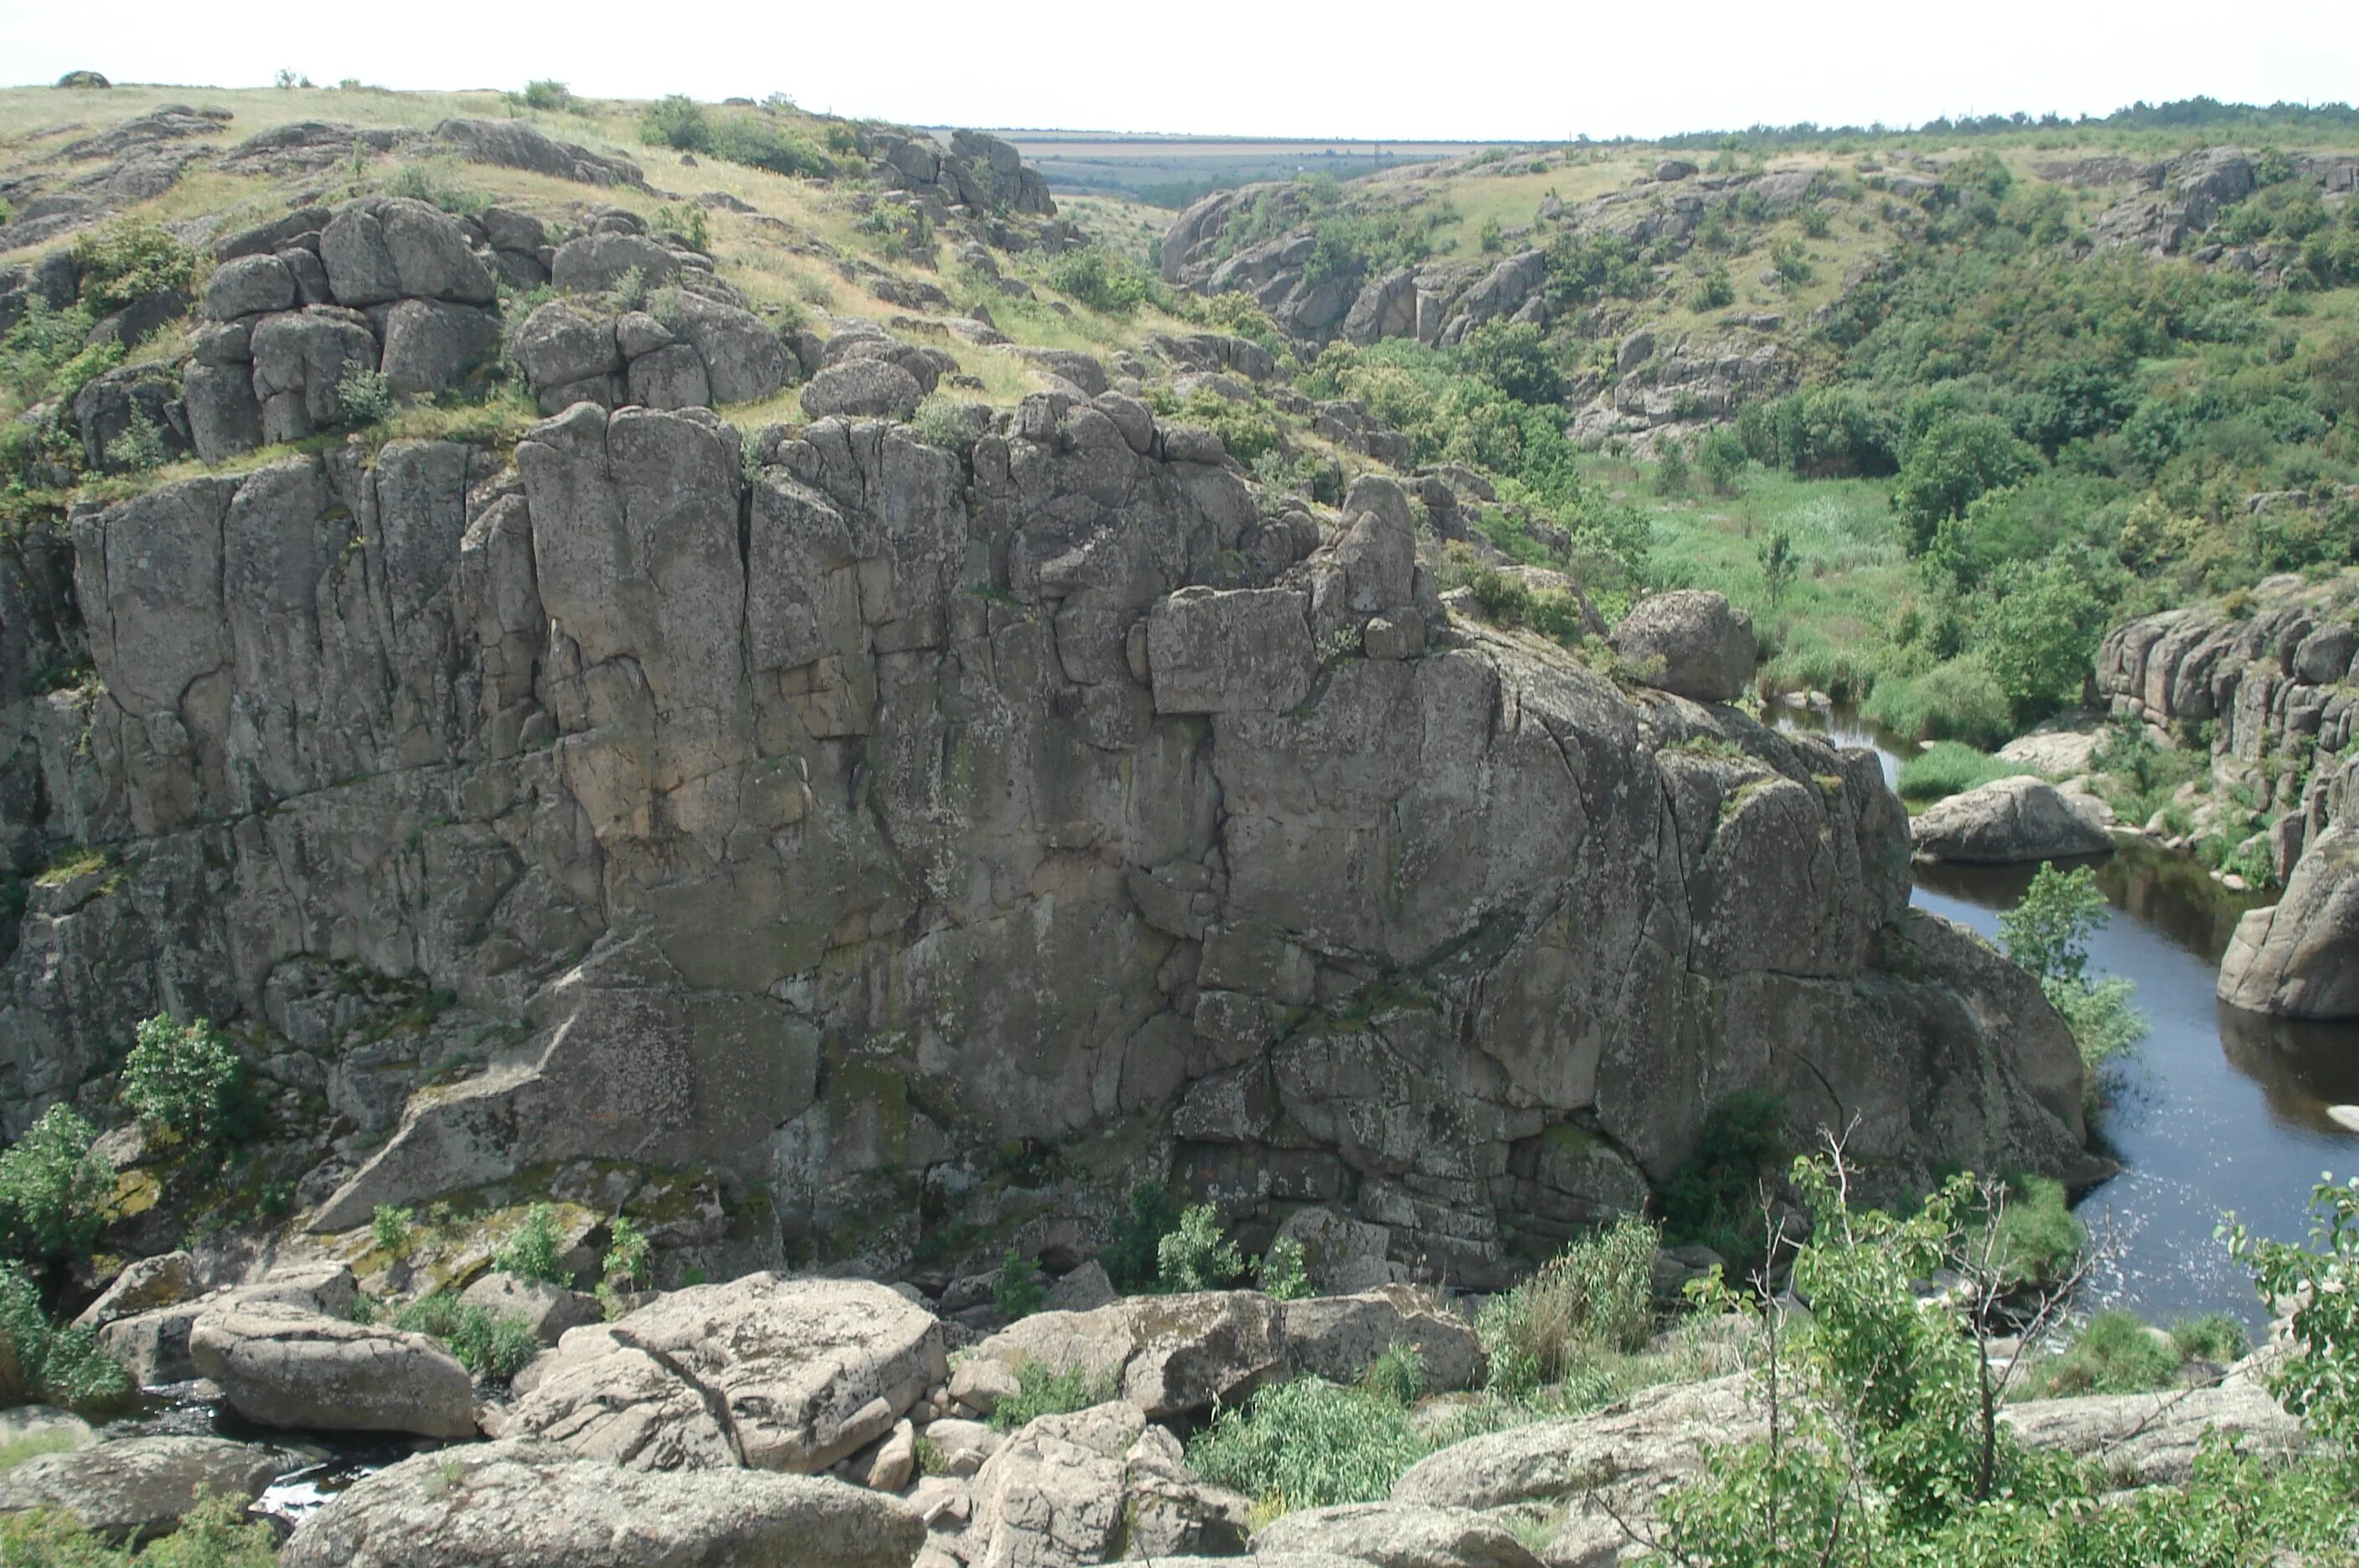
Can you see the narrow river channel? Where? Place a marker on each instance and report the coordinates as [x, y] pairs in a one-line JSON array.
[[2221, 1111]]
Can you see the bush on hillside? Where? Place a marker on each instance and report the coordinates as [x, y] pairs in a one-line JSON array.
[[42, 1363], [1958, 458], [1199, 1256], [495, 1347], [1309, 1444], [1043, 1391], [1956, 700], [1095, 276], [186, 1083], [1133, 1255], [2113, 1353], [531, 1253], [53, 1190], [1596, 1296], [1711, 1200]]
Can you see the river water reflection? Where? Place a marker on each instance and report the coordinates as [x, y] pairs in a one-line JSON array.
[[2221, 1111]]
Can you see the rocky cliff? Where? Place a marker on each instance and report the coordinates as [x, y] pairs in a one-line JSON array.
[[928, 838], [2268, 680]]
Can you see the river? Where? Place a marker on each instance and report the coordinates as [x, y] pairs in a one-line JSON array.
[[2220, 1111]]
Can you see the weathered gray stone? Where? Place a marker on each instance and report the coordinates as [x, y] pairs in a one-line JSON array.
[[2299, 957], [249, 285], [1397, 1535], [300, 360], [1706, 647], [1169, 1355], [807, 1372], [430, 346], [2006, 821], [1052, 1496], [284, 1367], [561, 343], [1216, 652], [1340, 1337], [598, 261], [535, 1506], [152, 1342], [549, 1310], [858, 388], [138, 1488], [744, 360], [670, 378]]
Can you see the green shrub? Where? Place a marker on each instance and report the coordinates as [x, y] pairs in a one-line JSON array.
[[495, 1347], [216, 1533], [53, 1190], [547, 95], [757, 144], [1720, 458], [676, 121], [1596, 1295], [37, 352], [1712, 292], [1515, 358], [2040, 1240], [2213, 1336], [626, 1266], [1308, 1443], [1959, 458], [1952, 767], [1283, 1272], [1094, 276], [2113, 1353], [2318, 1377], [1019, 1289], [2038, 636], [1711, 1199], [1955, 700], [1398, 1375], [2047, 931], [186, 1083], [363, 396], [1135, 1254], [42, 1363], [532, 1252], [126, 259], [1041, 1391], [1199, 1256], [389, 1228]]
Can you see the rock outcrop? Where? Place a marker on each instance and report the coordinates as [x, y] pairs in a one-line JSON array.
[[1692, 641], [2006, 822], [282, 1366], [765, 1373], [137, 1488], [836, 811], [533, 1505], [2272, 677]]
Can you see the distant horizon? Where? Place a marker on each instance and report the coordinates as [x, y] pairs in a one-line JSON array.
[[1520, 72]]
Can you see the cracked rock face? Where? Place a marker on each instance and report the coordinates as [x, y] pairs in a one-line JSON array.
[[842, 826]]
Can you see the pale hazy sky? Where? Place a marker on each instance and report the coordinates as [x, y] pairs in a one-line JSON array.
[[1515, 69]]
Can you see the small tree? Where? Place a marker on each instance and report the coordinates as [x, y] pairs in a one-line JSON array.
[[2318, 1377], [53, 1190], [1198, 1256], [1777, 564], [1019, 1289], [1719, 456], [187, 1083], [2047, 931]]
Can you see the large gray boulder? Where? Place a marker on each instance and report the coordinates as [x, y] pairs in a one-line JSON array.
[[1169, 1355], [249, 285], [549, 1310], [140, 1487], [430, 346], [281, 1366], [384, 249], [1051, 1496], [145, 1325], [1214, 651], [2004, 821], [862, 389], [224, 417], [517, 144], [1397, 1535], [2299, 957], [2151, 1439], [593, 262], [1340, 1337], [764, 1372], [1705, 644], [536, 1506], [744, 360], [300, 360]]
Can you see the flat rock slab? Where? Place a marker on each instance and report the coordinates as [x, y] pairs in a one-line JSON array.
[[2006, 822], [765, 1372], [537, 1506], [284, 1367], [1397, 1535], [141, 1486]]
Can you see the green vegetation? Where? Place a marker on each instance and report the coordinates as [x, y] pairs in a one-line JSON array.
[[1135, 1254], [2048, 933], [532, 1252], [1885, 1444], [1041, 1391], [188, 1085], [1019, 1288], [53, 1192], [362, 396], [1198, 1256], [1308, 1443], [2318, 1377], [495, 1347], [1283, 1272], [389, 1228], [41, 1361], [2113, 1353], [1713, 1199], [1952, 767], [751, 137], [2041, 1242], [1094, 276], [216, 1533], [1594, 1296]]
